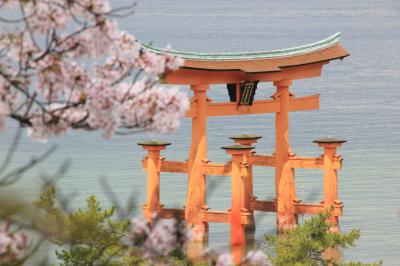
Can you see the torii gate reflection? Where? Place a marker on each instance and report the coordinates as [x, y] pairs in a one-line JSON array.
[[242, 72]]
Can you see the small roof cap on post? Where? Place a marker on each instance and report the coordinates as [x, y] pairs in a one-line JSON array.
[[237, 147], [154, 143], [245, 136], [329, 140]]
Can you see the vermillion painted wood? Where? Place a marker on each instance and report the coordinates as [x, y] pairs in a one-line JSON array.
[[196, 195], [284, 183], [330, 178], [240, 174], [153, 162], [281, 67], [248, 140]]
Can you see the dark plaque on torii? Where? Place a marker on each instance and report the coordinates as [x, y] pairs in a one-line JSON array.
[[247, 92]]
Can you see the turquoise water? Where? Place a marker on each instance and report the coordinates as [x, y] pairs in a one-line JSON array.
[[359, 101]]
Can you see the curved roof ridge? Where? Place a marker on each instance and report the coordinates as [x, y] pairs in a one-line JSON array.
[[252, 55]]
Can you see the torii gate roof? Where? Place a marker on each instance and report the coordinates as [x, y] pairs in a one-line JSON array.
[[262, 61]]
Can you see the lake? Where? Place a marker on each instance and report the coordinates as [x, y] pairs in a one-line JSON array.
[[360, 101]]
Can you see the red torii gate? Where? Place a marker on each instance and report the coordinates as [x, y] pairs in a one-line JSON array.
[[242, 72]]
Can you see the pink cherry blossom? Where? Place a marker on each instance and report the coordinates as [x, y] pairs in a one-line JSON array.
[[257, 258], [44, 16], [103, 107], [8, 101], [97, 41], [156, 109], [224, 259], [152, 63], [20, 47], [14, 244], [90, 8], [56, 77], [158, 239], [126, 46], [12, 4], [69, 66], [162, 239], [57, 121]]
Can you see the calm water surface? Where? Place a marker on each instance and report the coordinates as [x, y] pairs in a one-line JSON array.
[[360, 101]]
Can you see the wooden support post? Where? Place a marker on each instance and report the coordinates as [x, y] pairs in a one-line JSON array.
[[248, 140], [240, 157], [284, 178], [196, 195], [153, 148], [330, 177]]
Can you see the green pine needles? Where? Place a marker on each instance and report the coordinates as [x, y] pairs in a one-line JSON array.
[[86, 237], [307, 244]]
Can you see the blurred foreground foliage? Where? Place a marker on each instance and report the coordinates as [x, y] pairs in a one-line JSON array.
[[311, 244], [93, 236], [86, 237]]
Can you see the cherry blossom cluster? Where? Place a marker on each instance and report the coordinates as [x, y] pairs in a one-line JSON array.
[[159, 239], [253, 257], [224, 259], [257, 258], [14, 244], [65, 64]]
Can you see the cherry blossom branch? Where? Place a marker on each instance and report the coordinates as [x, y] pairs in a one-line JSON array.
[[73, 82], [11, 151], [16, 174]]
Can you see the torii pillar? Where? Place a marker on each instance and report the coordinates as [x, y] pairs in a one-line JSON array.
[[196, 196], [248, 140], [240, 176], [331, 196], [284, 179], [154, 159]]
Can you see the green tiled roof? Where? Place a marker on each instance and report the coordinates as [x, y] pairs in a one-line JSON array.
[[251, 55]]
